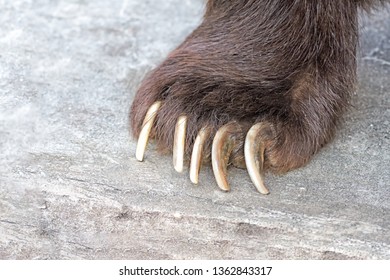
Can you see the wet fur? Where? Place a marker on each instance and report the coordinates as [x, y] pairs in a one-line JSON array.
[[291, 64]]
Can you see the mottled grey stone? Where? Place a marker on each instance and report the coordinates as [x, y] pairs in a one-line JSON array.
[[70, 187]]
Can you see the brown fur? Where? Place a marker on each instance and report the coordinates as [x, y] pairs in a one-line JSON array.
[[289, 63]]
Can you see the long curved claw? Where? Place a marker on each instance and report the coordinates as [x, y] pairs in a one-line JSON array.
[[196, 156], [146, 127], [179, 143], [223, 144], [254, 157]]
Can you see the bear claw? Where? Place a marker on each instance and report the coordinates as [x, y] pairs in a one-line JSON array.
[[197, 151], [224, 142], [146, 128], [179, 143]]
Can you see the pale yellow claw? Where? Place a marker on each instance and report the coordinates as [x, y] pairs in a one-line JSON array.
[[223, 144], [196, 156], [179, 143], [220, 152], [254, 157], [145, 131]]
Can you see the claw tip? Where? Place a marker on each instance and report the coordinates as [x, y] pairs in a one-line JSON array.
[[139, 157], [194, 181], [178, 168]]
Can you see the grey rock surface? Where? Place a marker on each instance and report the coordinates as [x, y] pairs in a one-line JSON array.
[[70, 187]]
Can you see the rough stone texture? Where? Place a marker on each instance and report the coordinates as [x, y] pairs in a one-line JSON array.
[[70, 187]]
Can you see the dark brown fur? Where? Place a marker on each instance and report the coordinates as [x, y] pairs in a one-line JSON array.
[[290, 63]]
